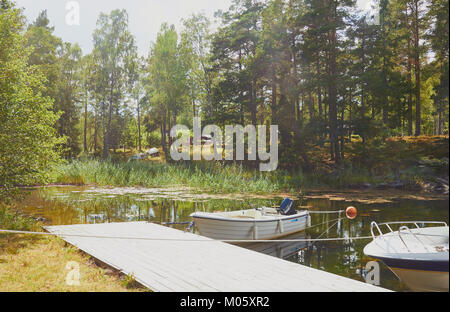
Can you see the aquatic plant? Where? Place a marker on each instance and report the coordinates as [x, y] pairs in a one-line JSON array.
[[211, 177]]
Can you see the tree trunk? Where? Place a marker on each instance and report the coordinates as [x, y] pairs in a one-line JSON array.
[[108, 133], [253, 104], [334, 139], [163, 136], [384, 71], [106, 139], [342, 129], [363, 103], [409, 79], [274, 101], [417, 67], [139, 123], [85, 124], [440, 103], [95, 133], [311, 106], [319, 89]]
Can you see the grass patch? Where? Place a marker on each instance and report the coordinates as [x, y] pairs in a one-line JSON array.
[[40, 264], [30, 263]]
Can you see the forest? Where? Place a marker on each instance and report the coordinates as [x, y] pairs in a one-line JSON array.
[[348, 90]]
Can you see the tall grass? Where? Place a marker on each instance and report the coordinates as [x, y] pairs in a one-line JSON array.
[[211, 177], [218, 177]]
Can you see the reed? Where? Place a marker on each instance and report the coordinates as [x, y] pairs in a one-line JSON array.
[[211, 177], [226, 178]]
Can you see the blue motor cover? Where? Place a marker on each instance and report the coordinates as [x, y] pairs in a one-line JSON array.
[[287, 207]]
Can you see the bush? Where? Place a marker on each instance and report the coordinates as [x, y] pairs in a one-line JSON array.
[[10, 219]]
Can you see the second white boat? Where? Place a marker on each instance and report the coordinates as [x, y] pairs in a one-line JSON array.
[[418, 256]]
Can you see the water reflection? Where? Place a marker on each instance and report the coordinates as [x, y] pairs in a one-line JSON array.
[[282, 249], [74, 205]]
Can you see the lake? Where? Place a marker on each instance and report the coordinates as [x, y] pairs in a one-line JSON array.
[[64, 205]]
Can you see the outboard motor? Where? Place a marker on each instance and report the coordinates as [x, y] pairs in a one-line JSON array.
[[287, 207]]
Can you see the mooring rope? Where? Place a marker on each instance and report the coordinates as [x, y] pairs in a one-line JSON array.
[[324, 212], [326, 231], [186, 240], [213, 240], [315, 225], [198, 240], [175, 223]]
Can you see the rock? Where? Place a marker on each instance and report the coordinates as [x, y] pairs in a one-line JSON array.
[[413, 186], [441, 186], [360, 186], [382, 186], [40, 219], [397, 185], [429, 186], [109, 272], [438, 189], [435, 187]]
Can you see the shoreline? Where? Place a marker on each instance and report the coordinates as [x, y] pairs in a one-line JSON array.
[[334, 194]]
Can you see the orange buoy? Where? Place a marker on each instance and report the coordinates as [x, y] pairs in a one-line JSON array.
[[351, 213]]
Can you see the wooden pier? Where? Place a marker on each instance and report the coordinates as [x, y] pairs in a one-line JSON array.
[[185, 262]]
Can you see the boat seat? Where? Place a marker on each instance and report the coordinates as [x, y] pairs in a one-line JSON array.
[[255, 214], [267, 210]]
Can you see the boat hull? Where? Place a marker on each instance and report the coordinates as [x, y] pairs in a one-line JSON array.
[[226, 229], [418, 280], [421, 275]]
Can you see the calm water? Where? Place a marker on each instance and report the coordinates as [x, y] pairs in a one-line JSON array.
[[73, 205]]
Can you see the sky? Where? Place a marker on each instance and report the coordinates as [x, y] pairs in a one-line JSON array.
[[145, 16]]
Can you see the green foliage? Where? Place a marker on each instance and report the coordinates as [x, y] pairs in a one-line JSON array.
[[339, 89], [10, 219], [28, 142], [168, 67], [393, 156], [113, 47]]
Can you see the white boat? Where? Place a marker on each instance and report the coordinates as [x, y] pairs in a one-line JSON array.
[[418, 255], [252, 224]]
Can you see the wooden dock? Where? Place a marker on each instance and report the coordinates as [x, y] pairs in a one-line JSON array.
[[185, 262]]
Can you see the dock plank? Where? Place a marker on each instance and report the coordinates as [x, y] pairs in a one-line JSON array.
[[199, 264]]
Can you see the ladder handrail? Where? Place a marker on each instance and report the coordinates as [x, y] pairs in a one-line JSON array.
[[387, 224], [414, 222], [372, 225]]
